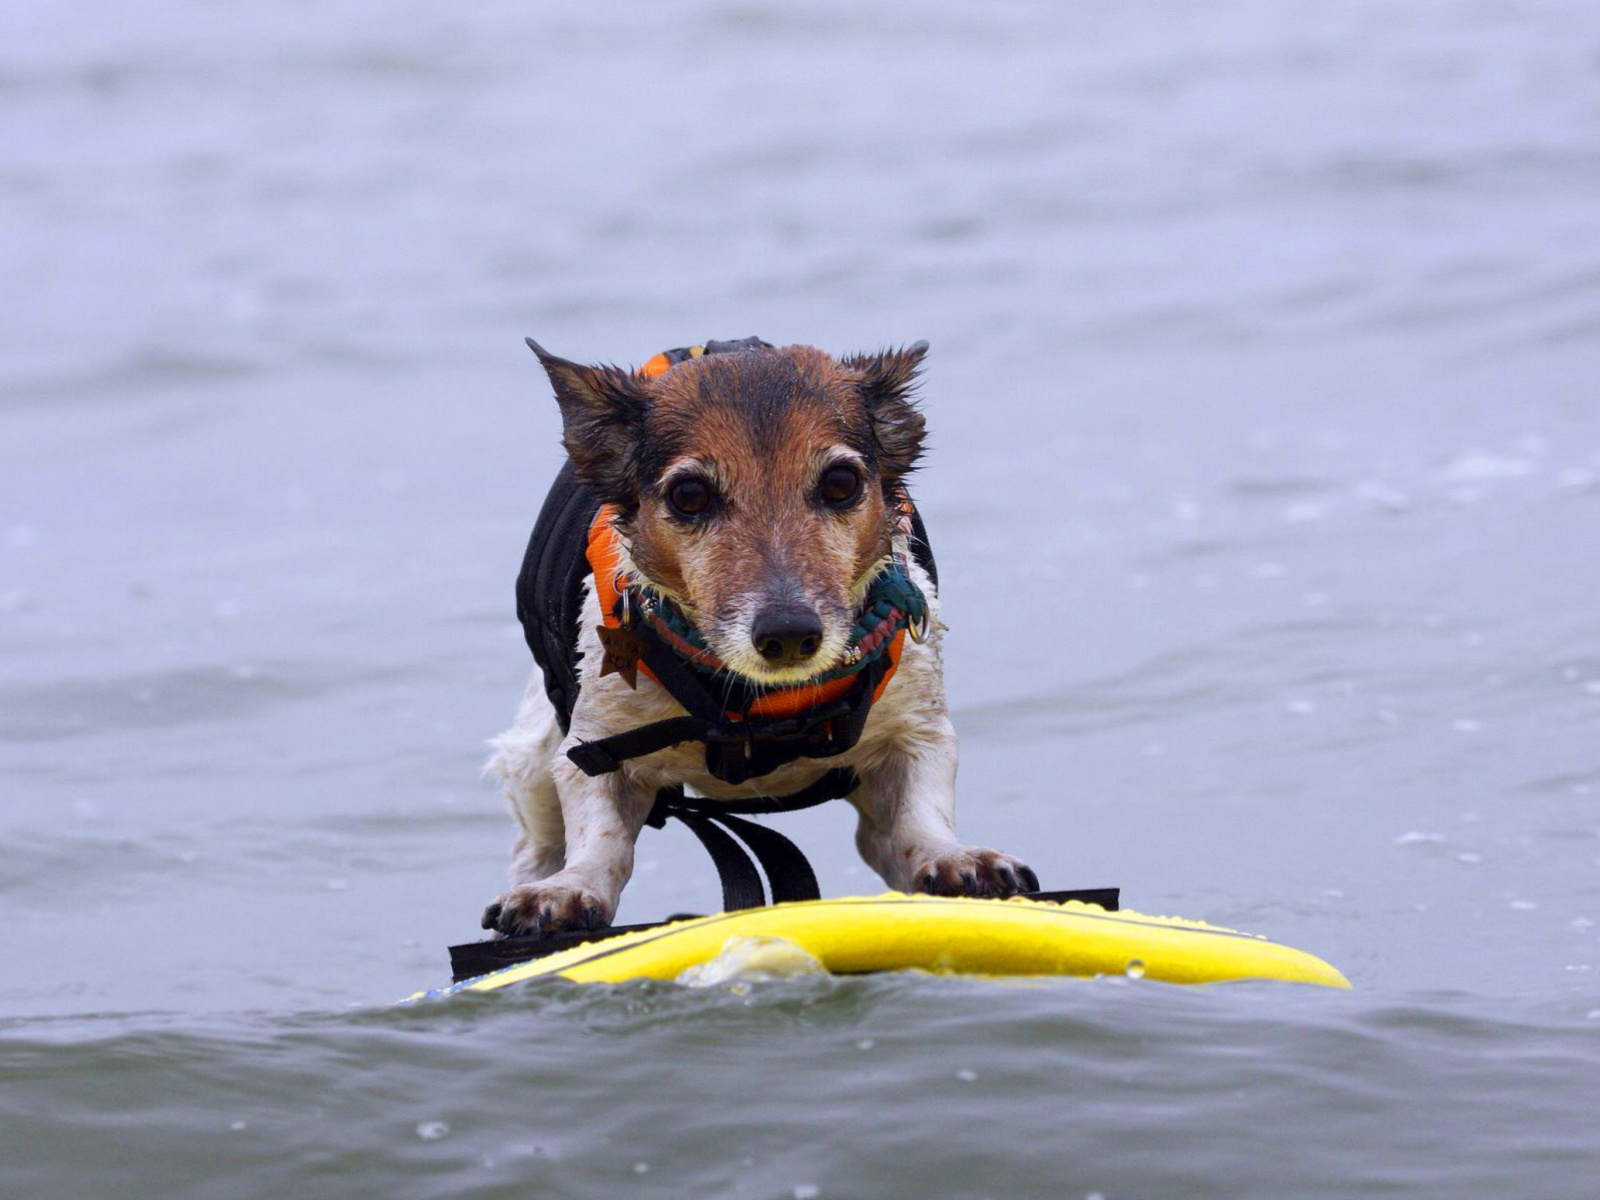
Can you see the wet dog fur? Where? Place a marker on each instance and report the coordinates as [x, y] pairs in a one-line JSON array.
[[755, 488]]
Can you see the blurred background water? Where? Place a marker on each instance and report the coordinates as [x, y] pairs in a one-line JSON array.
[[1265, 485]]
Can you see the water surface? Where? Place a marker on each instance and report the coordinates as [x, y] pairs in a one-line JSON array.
[[1265, 484]]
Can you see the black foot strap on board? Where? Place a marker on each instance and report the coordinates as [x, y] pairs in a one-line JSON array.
[[717, 822]]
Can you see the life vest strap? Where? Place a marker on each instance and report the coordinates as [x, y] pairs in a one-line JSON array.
[[736, 750], [604, 755], [789, 874]]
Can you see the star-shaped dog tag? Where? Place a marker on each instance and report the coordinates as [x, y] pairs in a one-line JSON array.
[[623, 650]]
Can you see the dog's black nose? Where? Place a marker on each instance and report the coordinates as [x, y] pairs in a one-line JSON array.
[[786, 633]]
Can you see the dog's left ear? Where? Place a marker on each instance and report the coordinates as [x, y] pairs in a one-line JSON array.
[[603, 412], [888, 380]]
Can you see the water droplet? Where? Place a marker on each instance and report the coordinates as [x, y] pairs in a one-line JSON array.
[[865, 1044], [1467, 856], [1524, 905], [1135, 969], [432, 1131], [1416, 837], [641, 1168], [966, 1075], [239, 1126], [807, 1191]]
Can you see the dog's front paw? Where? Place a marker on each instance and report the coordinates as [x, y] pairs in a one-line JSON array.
[[548, 906], [974, 871]]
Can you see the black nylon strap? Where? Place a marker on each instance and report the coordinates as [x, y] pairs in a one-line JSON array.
[[788, 873], [741, 885], [830, 785], [921, 548], [676, 676], [735, 750], [604, 755]]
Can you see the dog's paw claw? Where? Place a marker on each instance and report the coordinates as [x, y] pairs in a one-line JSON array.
[[536, 909], [975, 871]]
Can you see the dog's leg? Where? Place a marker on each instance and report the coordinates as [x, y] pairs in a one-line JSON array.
[[521, 762], [601, 817], [907, 831]]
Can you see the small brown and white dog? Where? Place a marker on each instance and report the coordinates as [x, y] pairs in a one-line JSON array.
[[757, 490]]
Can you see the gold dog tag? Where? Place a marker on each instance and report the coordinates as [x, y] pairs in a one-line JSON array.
[[623, 650]]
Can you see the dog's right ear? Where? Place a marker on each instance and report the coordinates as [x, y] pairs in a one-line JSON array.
[[603, 412]]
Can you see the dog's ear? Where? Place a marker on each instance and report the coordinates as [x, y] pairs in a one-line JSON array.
[[888, 380], [603, 413]]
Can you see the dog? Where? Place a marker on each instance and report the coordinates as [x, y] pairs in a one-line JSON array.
[[753, 500]]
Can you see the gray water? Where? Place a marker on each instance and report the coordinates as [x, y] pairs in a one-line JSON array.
[[1265, 485]]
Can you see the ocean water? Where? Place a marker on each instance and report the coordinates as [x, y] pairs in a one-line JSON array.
[[1265, 484]]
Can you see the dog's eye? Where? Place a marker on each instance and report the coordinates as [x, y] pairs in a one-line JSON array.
[[839, 485], [691, 497]]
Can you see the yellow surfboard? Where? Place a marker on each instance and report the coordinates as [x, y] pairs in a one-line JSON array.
[[949, 935]]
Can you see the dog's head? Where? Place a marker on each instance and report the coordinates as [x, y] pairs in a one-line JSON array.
[[755, 487]]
